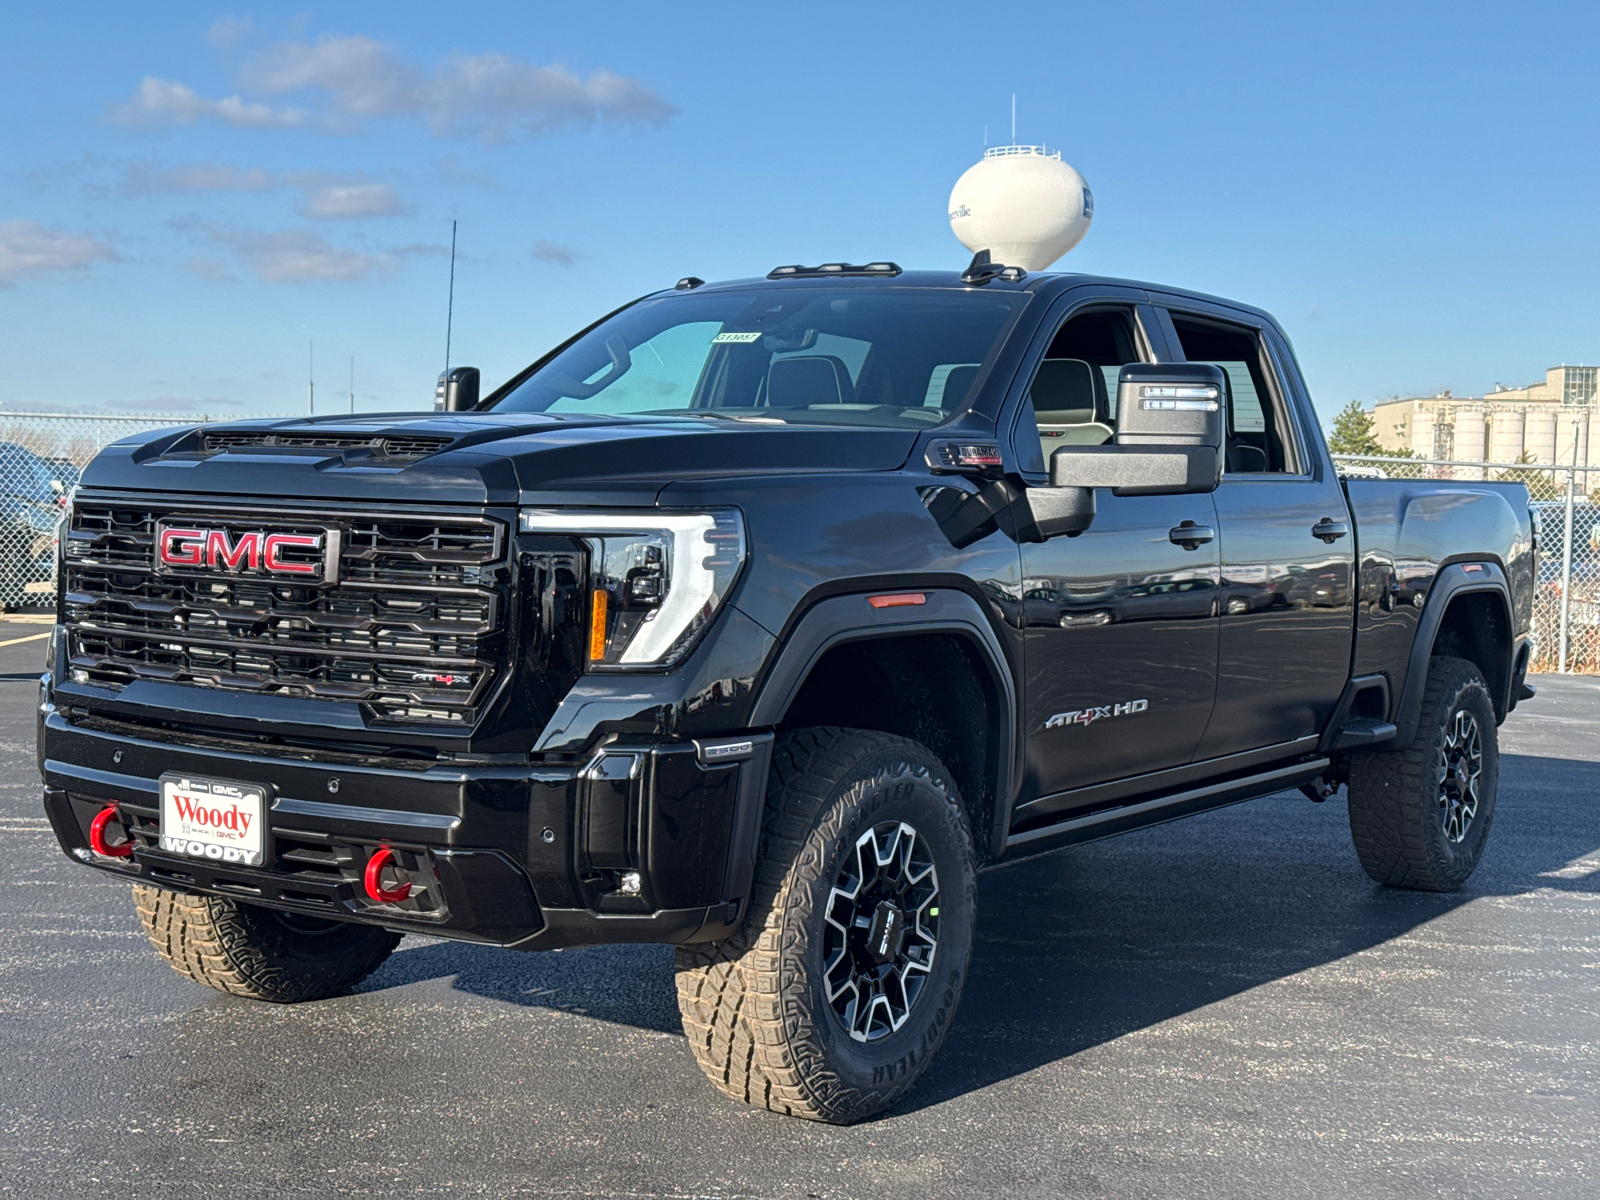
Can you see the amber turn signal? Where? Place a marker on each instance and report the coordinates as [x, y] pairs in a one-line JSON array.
[[597, 627]]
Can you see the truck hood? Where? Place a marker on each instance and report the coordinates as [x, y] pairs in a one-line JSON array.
[[480, 458]]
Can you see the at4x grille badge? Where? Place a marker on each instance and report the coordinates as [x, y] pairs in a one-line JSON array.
[[1088, 716], [441, 680]]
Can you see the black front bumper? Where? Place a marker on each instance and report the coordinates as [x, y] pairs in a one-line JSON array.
[[513, 854]]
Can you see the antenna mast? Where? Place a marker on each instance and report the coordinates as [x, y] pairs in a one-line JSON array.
[[1013, 118], [311, 379], [352, 383], [450, 311]]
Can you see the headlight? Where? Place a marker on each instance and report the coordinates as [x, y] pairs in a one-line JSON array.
[[655, 578]]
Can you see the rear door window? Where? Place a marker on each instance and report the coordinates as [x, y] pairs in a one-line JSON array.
[[1258, 440]]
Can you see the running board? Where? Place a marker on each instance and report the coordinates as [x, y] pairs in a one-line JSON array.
[[1108, 822], [1363, 731]]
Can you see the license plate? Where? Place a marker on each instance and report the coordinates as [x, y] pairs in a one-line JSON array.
[[216, 819]]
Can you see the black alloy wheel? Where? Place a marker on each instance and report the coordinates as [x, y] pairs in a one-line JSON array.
[[833, 997], [1420, 814], [1460, 774], [882, 931]]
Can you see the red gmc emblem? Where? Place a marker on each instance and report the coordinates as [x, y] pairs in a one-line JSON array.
[[302, 554]]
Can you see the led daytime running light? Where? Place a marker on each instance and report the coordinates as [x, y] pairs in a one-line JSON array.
[[704, 552]]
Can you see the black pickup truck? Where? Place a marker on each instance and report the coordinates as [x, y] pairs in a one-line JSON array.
[[755, 619]]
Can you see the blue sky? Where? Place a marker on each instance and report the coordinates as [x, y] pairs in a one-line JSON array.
[[189, 194]]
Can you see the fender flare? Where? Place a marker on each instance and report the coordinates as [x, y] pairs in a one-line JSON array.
[[840, 619], [1451, 581]]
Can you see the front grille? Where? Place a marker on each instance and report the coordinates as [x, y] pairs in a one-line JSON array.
[[413, 629], [387, 445]]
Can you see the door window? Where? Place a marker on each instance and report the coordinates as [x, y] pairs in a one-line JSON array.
[[1257, 427], [1072, 400]]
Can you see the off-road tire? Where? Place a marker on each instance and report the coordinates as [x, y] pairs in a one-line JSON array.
[[1395, 814], [250, 951], [755, 1006]]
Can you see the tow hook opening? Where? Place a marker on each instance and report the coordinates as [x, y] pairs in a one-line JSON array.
[[109, 821], [377, 890]]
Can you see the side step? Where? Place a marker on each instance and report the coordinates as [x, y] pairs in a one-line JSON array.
[[1107, 822], [1364, 731]]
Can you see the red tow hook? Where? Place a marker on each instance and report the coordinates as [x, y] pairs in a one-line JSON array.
[[374, 878], [97, 835]]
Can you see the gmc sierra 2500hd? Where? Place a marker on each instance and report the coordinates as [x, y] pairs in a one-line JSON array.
[[754, 619]]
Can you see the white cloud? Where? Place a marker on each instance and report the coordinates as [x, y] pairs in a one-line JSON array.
[[497, 97], [28, 249], [554, 253], [360, 75], [228, 32], [342, 200], [299, 256], [325, 196], [162, 103], [213, 269], [345, 80], [142, 178]]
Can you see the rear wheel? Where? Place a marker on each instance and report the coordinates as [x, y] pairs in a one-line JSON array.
[[256, 952], [833, 997], [1420, 816]]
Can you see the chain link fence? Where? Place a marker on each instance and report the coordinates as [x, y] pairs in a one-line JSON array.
[[1566, 600], [42, 456]]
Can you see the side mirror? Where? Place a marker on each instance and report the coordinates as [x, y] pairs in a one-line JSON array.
[[1171, 404], [1169, 435], [457, 390]]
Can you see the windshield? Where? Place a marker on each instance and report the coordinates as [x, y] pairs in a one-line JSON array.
[[896, 357]]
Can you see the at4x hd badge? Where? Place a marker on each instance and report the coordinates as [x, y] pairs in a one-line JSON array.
[[1088, 716]]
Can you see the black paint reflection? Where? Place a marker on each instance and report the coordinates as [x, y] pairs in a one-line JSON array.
[[1116, 616], [1287, 613]]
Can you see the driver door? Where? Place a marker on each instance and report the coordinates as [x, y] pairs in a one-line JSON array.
[[1121, 625]]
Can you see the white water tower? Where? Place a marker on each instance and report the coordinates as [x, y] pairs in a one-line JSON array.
[[1023, 205]]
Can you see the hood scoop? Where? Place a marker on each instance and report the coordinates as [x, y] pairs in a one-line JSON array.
[[406, 447]]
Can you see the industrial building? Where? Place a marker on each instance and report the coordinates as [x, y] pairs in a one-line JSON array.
[[1546, 422]]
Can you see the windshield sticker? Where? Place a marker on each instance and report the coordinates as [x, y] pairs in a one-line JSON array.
[[738, 339]]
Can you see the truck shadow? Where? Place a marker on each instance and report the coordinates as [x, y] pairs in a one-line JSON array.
[[1080, 947]]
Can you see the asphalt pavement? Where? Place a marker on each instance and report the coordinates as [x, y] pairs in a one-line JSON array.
[[1221, 1007]]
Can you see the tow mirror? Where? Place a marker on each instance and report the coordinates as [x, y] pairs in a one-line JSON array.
[[1171, 404], [1169, 434], [457, 390]]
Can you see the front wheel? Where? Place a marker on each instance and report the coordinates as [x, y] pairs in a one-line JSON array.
[[256, 952], [831, 1000], [1420, 816]]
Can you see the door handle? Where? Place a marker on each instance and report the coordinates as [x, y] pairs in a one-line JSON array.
[[1330, 530], [1191, 536]]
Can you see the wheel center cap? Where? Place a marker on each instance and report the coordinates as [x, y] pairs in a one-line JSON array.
[[887, 932]]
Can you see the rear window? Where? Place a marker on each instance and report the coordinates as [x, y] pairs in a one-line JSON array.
[[897, 357]]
